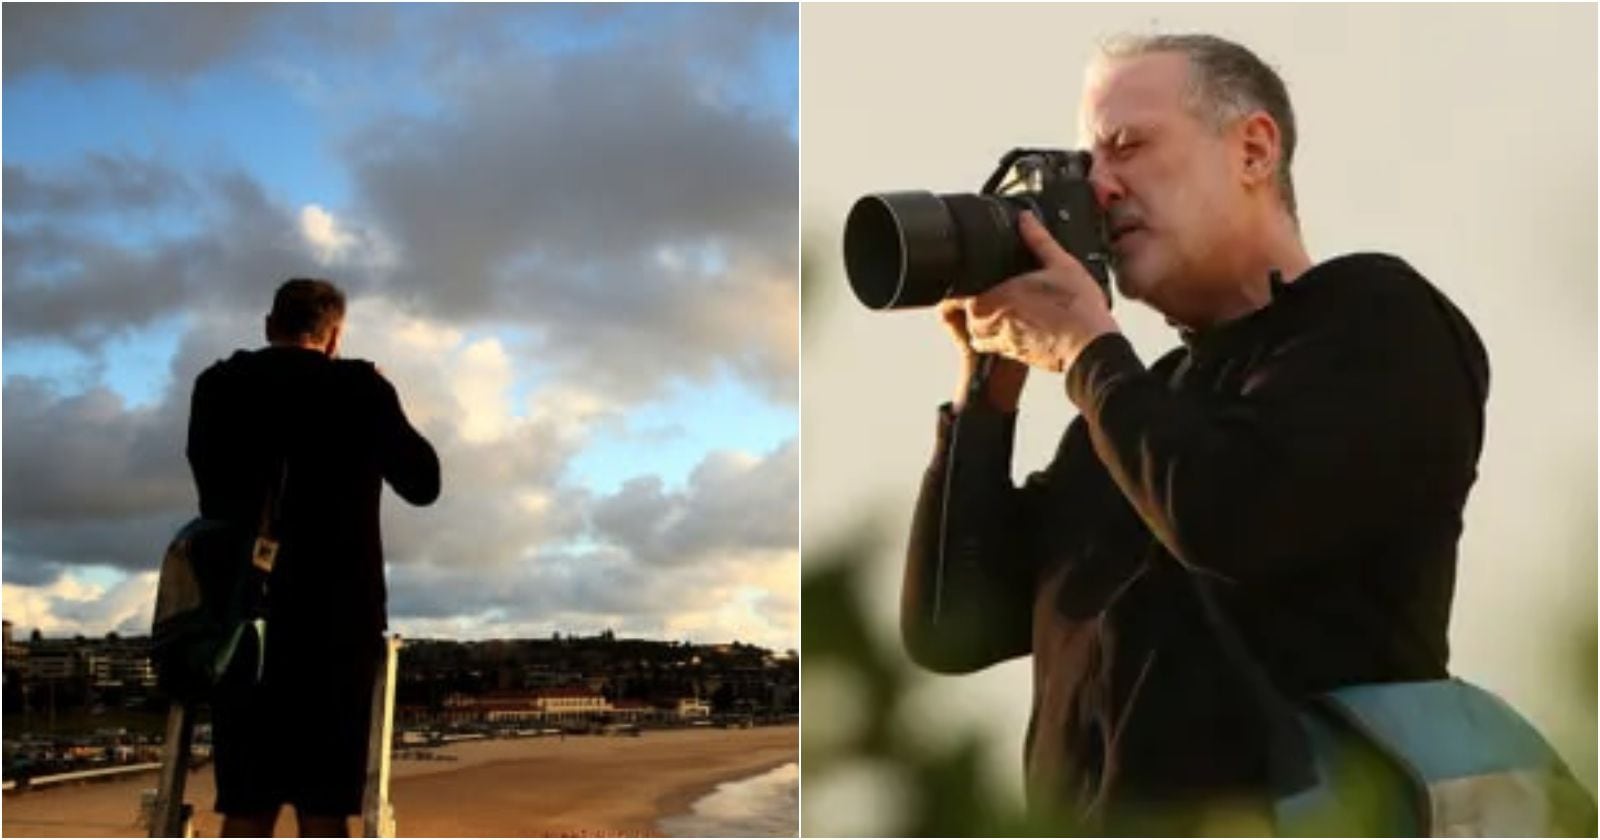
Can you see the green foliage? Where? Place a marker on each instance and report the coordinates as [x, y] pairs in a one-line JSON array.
[[945, 790]]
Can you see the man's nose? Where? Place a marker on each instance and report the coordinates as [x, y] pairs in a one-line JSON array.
[[1107, 186]]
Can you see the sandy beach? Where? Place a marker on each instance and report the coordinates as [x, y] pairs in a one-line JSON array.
[[583, 786]]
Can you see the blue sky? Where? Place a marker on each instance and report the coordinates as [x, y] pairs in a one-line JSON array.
[[165, 167]]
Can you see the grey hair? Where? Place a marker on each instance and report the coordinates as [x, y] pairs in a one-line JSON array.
[[1227, 81]]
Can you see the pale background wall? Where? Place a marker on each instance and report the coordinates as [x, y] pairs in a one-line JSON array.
[[1461, 138]]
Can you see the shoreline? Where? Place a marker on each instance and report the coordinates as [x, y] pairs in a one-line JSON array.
[[680, 802], [592, 786]]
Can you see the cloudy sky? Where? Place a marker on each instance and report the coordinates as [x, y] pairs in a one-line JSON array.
[[569, 239]]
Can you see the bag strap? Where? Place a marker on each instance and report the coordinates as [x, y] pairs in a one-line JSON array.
[[265, 552], [272, 505]]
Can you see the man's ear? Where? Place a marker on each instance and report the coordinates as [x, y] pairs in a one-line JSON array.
[[266, 328], [333, 340], [1261, 145]]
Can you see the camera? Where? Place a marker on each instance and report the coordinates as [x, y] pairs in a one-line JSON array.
[[909, 249]]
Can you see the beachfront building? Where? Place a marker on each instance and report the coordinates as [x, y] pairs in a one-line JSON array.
[[133, 669], [112, 667], [693, 708], [53, 660], [569, 704], [120, 662], [111, 662], [632, 711], [510, 710], [408, 715], [572, 703], [460, 708], [15, 656], [13, 648]]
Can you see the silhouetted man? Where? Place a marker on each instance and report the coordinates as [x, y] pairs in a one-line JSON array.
[[1305, 458], [332, 430]]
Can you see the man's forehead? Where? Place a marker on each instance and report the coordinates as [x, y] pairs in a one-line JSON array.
[[1124, 93]]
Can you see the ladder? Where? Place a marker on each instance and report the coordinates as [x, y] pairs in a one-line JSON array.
[[170, 816], [377, 811]]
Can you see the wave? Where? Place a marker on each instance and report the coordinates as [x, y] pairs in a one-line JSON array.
[[767, 805]]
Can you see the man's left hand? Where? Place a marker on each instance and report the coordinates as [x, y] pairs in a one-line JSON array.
[[1043, 318]]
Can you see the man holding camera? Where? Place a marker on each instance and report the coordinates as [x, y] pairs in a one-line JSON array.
[[1271, 510], [326, 432]]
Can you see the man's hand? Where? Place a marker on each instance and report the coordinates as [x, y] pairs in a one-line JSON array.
[[1006, 378], [1043, 318]]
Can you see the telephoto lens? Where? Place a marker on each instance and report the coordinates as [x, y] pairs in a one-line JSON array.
[[911, 249], [908, 249]]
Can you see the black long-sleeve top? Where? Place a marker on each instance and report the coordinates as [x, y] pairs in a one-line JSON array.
[[340, 425], [1309, 461]]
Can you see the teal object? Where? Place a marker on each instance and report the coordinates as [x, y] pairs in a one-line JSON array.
[[204, 619], [1438, 758]]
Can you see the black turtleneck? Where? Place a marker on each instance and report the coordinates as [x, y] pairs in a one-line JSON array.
[[1310, 461], [340, 425]]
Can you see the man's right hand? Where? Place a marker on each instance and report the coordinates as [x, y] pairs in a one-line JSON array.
[[1006, 377]]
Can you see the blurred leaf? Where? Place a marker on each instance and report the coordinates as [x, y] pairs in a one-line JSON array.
[[949, 795]]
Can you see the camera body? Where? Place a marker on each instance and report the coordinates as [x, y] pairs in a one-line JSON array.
[[909, 249]]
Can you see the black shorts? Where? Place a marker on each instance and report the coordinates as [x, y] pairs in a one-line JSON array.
[[300, 736]]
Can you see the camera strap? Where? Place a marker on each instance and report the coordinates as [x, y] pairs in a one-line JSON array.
[[980, 378]]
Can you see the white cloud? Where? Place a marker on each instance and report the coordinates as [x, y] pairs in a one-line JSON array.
[[482, 389], [327, 238], [72, 605]]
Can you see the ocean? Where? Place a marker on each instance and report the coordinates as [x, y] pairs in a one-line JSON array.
[[767, 805]]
